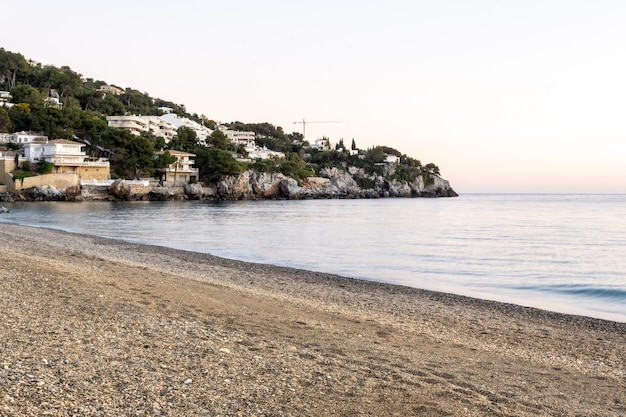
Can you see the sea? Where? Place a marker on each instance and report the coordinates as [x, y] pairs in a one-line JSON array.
[[564, 253]]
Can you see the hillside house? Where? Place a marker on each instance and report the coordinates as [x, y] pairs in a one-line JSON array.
[[202, 132], [179, 172], [27, 137], [321, 144], [392, 159], [68, 158], [240, 137], [5, 97], [110, 89], [137, 124]]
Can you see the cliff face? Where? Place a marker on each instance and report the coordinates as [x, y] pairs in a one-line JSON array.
[[333, 183]]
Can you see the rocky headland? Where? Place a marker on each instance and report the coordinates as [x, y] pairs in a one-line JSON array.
[[249, 185]]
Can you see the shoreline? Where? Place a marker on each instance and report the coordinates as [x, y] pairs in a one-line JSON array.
[[372, 285], [296, 342], [582, 314]]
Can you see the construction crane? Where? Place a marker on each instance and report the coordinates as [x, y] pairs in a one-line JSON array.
[[304, 123]]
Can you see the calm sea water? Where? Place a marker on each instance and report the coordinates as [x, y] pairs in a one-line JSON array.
[[563, 253]]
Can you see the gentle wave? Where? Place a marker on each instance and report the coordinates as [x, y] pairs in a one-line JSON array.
[[612, 294]]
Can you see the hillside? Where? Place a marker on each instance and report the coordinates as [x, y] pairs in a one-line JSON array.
[[62, 104]]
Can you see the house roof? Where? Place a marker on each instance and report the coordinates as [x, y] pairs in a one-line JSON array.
[[176, 153], [64, 142]]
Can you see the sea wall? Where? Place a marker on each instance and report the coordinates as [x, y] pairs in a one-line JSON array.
[[58, 181]]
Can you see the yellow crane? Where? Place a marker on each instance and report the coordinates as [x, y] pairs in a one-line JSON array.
[[304, 123]]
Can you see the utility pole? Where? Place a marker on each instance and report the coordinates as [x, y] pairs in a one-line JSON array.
[[304, 122]]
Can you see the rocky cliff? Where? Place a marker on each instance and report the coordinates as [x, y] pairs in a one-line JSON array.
[[332, 183], [254, 185]]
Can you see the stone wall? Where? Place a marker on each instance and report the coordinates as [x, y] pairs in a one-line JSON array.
[[58, 181]]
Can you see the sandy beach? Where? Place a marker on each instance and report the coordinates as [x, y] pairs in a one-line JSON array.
[[97, 327]]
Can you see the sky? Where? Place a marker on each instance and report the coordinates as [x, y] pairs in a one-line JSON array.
[[504, 96]]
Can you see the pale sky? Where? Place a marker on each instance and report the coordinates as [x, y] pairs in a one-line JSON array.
[[504, 96]]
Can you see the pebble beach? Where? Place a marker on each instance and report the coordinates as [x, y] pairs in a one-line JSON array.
[[98, 327]]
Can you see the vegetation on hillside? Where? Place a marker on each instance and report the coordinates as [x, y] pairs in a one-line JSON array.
[[81, 115]]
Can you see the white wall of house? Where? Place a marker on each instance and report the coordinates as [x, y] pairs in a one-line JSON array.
[[55, 151], [239, 138], [255, 152], [321, 144], [202, 132], [392, 159], [27, 137], [160, 127], [109, 89], [135, 124], [5, 97]]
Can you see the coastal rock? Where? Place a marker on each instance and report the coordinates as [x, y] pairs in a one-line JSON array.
[[73, 193], [254, 185], [193, 191], [160, 194], [120, 189], [4, 210], [43, 193], [397, 188], [290, 188], [235, 187], [342, 183], [265, 185], [332, 183], [439, 188]]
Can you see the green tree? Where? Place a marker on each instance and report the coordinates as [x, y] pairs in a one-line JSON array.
[[213, 163], [264, 165], [90, 98], [218, 140], [164, 160], [137, 102], [20, 117], [25, 93], [6, 125], [45, 167], [111, 106], [186, 140], [14, 69], [432, 168], [130, 154]]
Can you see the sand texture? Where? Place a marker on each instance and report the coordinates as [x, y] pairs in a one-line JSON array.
[[97, 327]]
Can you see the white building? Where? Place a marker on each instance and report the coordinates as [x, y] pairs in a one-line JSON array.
[[239, 138], [110, 89], [55, 151], [27, 137], [53, 100], [321, 144], [181, 171], [160, 127], [137, 124], [392, 159], [202, 132], [67, 157], [5, 97], [255, 152]]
